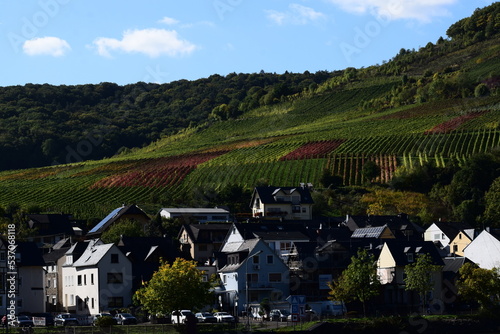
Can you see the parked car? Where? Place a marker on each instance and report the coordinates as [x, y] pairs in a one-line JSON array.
[[205, 317], [182, 316], [45, 317], [125, 319], [279, 315], [223, 317], [97, 316], [23, 321], [66, 319]]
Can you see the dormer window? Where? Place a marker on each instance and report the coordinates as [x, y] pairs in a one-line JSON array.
[[410, 257]]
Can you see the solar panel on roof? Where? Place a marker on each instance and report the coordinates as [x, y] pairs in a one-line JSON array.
[[105, 220]]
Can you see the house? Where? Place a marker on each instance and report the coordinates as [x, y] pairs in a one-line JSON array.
[[400, 225], [251, 271], [394, 257], [289, 203], [377, 232], [442, 233], [98, 280], [50, 228], [123, 213], [200, 215], [28, 281], [279, 236], [458, 244], [484, 250], [54, 261], [200, 241], [145, 255]]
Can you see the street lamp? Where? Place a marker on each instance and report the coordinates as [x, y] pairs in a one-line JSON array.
[[246, 286]]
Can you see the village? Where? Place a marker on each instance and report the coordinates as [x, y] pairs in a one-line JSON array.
[[281, 254]]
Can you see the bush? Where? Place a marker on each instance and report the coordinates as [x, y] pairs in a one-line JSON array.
[[105, 322]]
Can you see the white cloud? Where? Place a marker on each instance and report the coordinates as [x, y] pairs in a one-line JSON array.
[[152, 42], [296, 14], [169, 21], [47, 46], [421, 10]]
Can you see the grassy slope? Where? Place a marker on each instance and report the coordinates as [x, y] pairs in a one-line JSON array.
[[245, 150]]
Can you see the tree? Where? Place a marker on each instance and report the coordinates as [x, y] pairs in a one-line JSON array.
[[419, 277], [359, 281], [492, 203], [128, 227], [179, 286], [370, 170], [479, 285]]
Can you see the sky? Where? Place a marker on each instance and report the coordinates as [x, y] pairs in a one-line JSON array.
[[71, 42]]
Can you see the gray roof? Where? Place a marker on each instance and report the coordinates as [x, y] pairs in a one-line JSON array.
[[369, 232], [92, 255], [195, 210]]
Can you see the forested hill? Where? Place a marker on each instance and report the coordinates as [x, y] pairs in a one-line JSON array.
[[44, 125]]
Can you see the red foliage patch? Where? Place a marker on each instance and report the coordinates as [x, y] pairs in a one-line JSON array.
[[158, 172], [454, 123], [313, 149]]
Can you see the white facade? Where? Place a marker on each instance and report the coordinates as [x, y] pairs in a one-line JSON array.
[[99, 280], [31, 297], [484, 250], [433, 233]]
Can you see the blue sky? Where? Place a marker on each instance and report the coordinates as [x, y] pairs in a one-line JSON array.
[[68, 42]]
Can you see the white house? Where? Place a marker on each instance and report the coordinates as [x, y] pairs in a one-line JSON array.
[[442, 233], [100, 279], [282, 203], [484, 250]]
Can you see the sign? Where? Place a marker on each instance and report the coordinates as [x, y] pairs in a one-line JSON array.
[[298, 300], [295, 309]]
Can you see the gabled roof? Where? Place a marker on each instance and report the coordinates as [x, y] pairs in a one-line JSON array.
[[201, 233], [451, 229], [142, 249], [370, 232], [397, 223], [267, 194], [92, 255], [400, 248], [115, 215], [51, 224], [54, 255]]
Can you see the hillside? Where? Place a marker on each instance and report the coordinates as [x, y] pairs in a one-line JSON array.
[[439, 104]]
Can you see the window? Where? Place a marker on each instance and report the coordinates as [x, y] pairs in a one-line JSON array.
[[92, 302], [92, 279], [252, 278], [224, 279], [114, 258], [409, 256], [256, 259], [204, 278], [296, 209], [275, 277], [270, 259], [55, 283], [304, 209], [455, 248], [114, 302], [460, 236], [285, 245], [79, 280], [115, 278], [2, 256], [48, 283], [84, 279]]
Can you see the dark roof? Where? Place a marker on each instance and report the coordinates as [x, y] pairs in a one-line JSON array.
[[451, 229], [54, 255], [30, 254], [115, 215], [51, 224], [141, 249], [266, 194], [205, 233], [273, 231], [397, 223], [399, 249], [454, 264]]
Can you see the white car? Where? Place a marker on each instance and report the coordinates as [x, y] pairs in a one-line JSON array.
[[224, 317], [181, 316]]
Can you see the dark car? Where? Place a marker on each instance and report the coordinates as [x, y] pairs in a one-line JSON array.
[[125, 319], [205, 317], [23, 321], [43, 319], [66, 319]]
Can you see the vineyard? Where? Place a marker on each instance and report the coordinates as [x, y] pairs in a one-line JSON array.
[[286, 143]]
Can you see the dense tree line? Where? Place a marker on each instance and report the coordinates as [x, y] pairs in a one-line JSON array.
[[46, 124]]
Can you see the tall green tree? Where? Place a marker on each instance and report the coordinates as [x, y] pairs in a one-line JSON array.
[[359, 281], [127, 227], [180, 286], [419, 277], [479, 285]]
